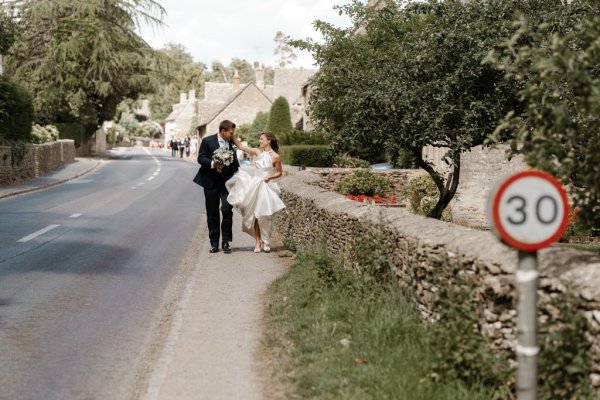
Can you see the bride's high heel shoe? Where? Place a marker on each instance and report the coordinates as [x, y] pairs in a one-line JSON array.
[[257, 249], [266, 248]]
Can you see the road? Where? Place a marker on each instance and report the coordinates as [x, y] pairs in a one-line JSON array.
[[85, 268]]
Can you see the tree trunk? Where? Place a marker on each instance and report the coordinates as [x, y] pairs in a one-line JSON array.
[[447, 190]]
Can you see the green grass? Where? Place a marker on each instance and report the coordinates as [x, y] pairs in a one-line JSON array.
[[593, 247], [334, 337]]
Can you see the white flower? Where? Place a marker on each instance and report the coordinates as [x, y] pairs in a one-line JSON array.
[[224, 156]]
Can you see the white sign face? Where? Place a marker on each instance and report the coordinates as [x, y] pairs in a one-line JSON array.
[[529, 210]]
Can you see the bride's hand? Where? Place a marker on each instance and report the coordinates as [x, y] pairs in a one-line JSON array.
[[236, 141]]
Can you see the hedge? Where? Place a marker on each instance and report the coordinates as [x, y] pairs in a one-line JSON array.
[[306, 155], [16, 111]]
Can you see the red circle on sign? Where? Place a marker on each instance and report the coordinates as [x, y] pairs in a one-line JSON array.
[[509, 239]]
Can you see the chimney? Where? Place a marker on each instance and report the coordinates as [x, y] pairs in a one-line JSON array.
[[260, 77], [236, 81], [182, 98], [192, 95]]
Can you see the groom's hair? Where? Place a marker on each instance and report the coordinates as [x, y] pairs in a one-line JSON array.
[[226, 125]]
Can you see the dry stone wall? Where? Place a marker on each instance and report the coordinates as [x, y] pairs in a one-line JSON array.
[[34, 160], [423, 249]]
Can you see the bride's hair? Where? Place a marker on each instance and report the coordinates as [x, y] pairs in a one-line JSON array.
[[273, 140]]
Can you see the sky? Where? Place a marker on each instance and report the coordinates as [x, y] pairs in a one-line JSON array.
[[223, 29]]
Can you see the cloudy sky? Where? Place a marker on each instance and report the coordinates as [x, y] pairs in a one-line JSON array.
[[224, 29]]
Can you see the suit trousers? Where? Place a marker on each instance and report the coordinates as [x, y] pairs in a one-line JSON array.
[[213, 197]]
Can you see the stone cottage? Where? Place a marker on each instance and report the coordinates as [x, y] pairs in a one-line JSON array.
[[238, 102], [182, 120], [233, 101]]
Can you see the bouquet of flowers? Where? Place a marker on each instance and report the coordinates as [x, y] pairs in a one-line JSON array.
[[222, 156]]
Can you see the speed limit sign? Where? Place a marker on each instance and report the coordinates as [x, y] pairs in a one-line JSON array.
[[529, 210]]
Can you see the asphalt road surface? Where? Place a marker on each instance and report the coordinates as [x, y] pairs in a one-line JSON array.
[[84, 267]]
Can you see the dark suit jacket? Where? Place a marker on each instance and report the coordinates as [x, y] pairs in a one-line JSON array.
[[208, 177]]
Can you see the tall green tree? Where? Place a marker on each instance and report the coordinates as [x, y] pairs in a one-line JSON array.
[[283, 52], [259, 125], [559, 129], [222, 73], [79, 59], [173, 71], [415, 77], [280, 120]]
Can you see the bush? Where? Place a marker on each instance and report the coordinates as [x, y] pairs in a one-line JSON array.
[[418, 188], [16, 111], [258, 126], [346, 161], [43, 134], [72, 130], [363, 181], [405, 159], [422, 195], [302, 137], [280, 121], [306, 155]]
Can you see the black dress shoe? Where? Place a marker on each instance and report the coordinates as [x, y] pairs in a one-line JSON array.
[[214, 249], [226, 248]]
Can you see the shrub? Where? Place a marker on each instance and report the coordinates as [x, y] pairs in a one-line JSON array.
[[346, 161], [422, 195], [417, 189], [363, 181], [405, 159], [258, 126], [280, 121], [43, 134], [577, 228], [72, 130], [302, 137], [306, 155], [16, 111], [564, 351]]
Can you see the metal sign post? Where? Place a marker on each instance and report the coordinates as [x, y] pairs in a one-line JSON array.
[[528, 211], [527, 348]]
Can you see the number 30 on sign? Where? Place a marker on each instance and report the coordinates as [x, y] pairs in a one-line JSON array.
[[529, 210]]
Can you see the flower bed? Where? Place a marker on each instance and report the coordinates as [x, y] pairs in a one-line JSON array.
[[376, 199]]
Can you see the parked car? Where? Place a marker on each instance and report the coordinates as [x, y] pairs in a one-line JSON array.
[[156, 143], [383, 166]]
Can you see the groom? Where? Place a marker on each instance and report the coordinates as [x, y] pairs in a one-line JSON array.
[[213, 183]]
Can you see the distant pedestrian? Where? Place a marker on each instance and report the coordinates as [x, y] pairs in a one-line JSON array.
[[181, 148], [187, 146], [174, 147]]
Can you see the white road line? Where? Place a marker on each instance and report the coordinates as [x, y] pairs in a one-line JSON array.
[[152, 177], [38, 233], [75, 216]]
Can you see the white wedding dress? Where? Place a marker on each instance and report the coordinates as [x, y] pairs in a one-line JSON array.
[[255, 198]]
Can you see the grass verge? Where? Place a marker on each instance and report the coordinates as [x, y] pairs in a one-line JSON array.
[[339, 338]]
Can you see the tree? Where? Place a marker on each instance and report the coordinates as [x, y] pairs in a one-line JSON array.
[[283, 52], [415, 77], [8, 32], [280, 121], [559, 130], [221, 73], [258, 126], [16, 111], [79, 59], [171, 72]]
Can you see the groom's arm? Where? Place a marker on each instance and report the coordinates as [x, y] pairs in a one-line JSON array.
[[205, 155]]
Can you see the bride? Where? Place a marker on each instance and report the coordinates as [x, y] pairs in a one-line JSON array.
[[256, 195]]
